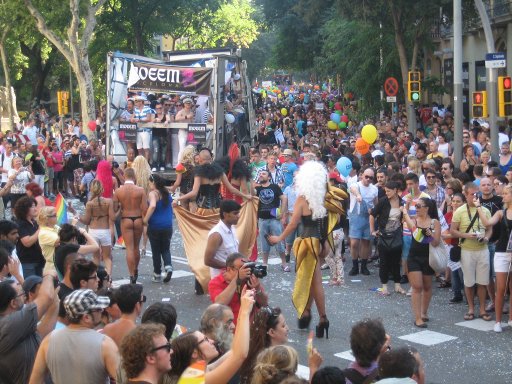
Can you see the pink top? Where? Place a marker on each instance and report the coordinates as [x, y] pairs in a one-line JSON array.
[[58, 158]]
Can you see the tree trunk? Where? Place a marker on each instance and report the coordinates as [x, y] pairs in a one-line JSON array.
[[74, 49], [7, 75], [139, 40], [85, 85], [404, 65]]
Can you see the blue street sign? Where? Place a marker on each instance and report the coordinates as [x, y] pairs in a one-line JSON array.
[[494, 56]]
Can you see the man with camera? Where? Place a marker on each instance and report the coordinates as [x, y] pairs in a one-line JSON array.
[[227, 287]]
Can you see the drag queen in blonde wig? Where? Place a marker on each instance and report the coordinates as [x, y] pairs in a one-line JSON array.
[[319, 209]]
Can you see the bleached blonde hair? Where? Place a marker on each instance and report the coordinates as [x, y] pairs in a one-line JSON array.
[[187, 157], [142, 172], [311, 182]]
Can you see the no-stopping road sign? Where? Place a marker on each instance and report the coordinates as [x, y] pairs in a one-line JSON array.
[[391, 86]]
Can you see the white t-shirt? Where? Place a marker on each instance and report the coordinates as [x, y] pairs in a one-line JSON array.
[[369, 194], [6, 164]]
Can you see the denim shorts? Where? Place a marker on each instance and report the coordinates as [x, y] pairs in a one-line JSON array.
[[359, 227], [270, 227]]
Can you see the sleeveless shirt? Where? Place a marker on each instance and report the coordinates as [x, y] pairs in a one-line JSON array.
[[74, 356]]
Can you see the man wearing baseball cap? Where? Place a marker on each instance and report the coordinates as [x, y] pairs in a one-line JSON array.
[[78, 354]]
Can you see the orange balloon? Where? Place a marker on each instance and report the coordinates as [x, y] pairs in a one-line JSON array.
[[362, 146]]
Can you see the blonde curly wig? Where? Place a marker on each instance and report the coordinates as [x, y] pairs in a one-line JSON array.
[[187, 157]]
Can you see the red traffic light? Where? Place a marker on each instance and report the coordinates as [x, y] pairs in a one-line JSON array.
[[507, 82], [477, 98]]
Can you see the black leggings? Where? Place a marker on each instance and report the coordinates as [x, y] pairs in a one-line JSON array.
[[389, 263]]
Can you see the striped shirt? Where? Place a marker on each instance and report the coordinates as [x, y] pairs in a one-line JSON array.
[[142, 114]]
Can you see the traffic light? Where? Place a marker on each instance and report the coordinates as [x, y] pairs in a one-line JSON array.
[[480, 104], [414, 86], [504, 96], [65, 98], [59, 102]]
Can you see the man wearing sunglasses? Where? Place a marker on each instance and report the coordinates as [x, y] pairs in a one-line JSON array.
[[363, 196], [146, 343]]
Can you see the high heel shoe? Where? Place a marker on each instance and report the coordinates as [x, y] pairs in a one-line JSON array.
[[322, 325], [304, 321]]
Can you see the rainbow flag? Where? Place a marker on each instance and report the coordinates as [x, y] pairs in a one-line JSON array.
[[61, 209], [194, 374]]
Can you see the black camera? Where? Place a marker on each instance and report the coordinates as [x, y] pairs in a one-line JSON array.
[[258, 270]]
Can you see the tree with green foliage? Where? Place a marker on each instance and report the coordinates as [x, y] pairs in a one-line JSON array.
[[73, 44], [233, 24]]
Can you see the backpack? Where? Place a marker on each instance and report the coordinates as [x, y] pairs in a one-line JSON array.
[[356, 377]]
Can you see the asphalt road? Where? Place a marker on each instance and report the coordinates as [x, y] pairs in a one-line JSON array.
[[454, 350]]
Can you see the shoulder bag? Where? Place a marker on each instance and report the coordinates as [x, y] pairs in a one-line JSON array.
[[438, 256], [456, 252]]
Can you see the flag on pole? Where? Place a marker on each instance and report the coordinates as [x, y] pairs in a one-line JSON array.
[[61, 209]]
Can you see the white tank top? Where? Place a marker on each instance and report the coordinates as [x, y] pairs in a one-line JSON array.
[[228, 246], [443, 148]]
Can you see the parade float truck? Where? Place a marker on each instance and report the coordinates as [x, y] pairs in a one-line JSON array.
[[214, 76]]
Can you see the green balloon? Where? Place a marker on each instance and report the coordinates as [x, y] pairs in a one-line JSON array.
[[331, 104], [338, 112], [342, 125]]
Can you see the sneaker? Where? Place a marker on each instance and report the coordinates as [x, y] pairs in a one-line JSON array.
[[455, 300], [497, 328], [404, 279], [324, 267], [285, 268], [365, 271], [409, 292], [490, 307], [168, 274], [162, 169], [156, 278], [354, 271], [153, 169]]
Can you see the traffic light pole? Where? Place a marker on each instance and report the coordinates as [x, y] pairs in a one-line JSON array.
[[457, 80], [491, 81]]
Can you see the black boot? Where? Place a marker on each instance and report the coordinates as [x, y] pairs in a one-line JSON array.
[[355, 268], [198, 288], [364, 269]]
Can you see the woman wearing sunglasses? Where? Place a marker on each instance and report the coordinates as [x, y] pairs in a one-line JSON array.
[[388, 217], [426, 230], [268, 329], [192, 347]]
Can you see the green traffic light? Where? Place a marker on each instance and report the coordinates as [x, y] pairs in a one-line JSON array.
[[415, 96]]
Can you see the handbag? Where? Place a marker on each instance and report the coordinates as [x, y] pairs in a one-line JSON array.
[[391, 240], [438, 256], [456, 251]]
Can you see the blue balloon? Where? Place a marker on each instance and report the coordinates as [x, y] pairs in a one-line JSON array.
[[336, 118], [344, 166]]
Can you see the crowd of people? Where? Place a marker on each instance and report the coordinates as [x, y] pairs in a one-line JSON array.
[[392, 205]]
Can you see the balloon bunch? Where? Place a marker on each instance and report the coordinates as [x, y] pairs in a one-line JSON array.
[[368, 136]]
